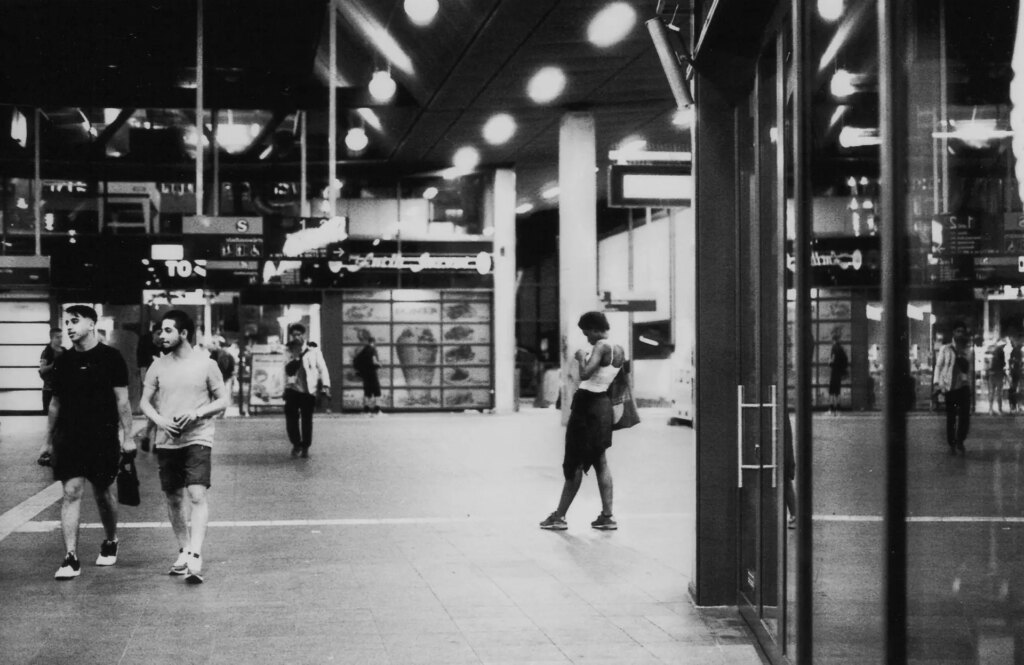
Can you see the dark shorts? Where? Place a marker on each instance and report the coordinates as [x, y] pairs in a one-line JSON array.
[[589, 431], [371, 385], [96, 459], [181, 467]]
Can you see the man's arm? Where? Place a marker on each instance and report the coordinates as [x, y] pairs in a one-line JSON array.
[[146, 404], [51, 423], [325, 377], [588, 367], [124, 411]]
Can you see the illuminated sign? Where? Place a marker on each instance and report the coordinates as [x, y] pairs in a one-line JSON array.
[[204, 224], [481, 262], [312, 238], [647, 186]]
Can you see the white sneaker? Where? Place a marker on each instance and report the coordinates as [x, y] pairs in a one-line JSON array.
[[180, 565], [195, 569]]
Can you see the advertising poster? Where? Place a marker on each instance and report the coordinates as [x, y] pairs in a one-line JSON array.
[[267, 387]]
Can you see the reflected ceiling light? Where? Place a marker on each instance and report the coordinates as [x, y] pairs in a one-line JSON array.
[[858, 137], [975, 133], [524, 208], [842, 84], [684, 117], [860, 14], [830, 10], [430, 193], [551, 192], [421, 12], [370, 118], [611, 25], [547, 84], [632, 144], [356, 139], [233, 138], [110, 115], [466, 158], [382, 86], [499, 129]]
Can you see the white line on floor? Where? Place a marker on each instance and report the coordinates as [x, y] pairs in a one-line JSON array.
[[52, 525], [13, 519]]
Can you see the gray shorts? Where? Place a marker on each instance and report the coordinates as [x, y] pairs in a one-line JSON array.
[[181, 467]]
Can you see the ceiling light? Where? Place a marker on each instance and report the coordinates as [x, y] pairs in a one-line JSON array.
[[356, 139], [550, 193], [684, 117], [421, 12], [524, 208], [859, 137], [842, 84], [466, 158], [547, 84], [499, 129], [370, 118], [632, 144], [382, 86], [830, 10], [611, 25], [430, 192]]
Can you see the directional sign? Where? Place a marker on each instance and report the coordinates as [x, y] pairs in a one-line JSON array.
[[629, 303]]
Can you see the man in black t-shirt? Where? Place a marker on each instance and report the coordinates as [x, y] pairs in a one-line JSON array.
[[89, 407]]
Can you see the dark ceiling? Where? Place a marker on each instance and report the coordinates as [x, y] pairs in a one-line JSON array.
[[74, 59]]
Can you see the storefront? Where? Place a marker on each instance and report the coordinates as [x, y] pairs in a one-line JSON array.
[[856, 183]]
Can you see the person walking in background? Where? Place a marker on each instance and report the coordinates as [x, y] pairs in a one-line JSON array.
[[146, 352], [996, 376], [954, 377], [365, 363], [589, 431], [89, 405], [839, 366], [226, 363], [184, 390], [1015, 368], [47, 358], [304, 371]]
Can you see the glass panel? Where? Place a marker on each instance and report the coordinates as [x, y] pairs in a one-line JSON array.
[[965, 557], [846, 436]]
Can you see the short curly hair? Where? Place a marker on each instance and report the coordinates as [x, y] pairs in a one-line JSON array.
[[594, 321]]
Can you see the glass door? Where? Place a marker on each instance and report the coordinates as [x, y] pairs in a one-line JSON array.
[[760, 395]]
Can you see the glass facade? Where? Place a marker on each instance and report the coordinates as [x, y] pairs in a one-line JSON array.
[[879, 320]]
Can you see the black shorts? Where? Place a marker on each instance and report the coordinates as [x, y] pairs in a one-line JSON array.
[[96, 459], [181, 467], [371, 385]]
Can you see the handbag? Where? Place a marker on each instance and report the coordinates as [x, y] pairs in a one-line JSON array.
[[624, 413], [128, 481]]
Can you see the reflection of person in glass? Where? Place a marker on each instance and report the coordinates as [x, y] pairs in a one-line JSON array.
[[839, 365], [1015, 367], [954, 377], [589, 431]]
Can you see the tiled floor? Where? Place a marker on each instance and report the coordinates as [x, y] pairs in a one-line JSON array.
[[403, 539]]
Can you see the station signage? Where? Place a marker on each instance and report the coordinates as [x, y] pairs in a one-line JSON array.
[[481, 262], [209, 225]]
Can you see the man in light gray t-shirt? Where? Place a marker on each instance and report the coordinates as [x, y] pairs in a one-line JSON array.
[[183, 390]]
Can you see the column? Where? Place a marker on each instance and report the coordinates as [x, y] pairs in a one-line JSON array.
[[577, 242], [503, 210]]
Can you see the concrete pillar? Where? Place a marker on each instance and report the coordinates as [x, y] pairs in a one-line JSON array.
[[503, 210], [577, 242]]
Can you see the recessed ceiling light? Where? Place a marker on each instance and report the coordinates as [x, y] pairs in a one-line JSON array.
[[421, 12], [611, 24], [356, 139], [466, 158], [547, 84], [842, 84], [499, 129], [683, 117], [830, 10], [551, 192], [524, 208], [382, 86], [429, 193]]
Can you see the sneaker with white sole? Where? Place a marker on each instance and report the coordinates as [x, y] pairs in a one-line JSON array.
[[195, 569], [554, 522], [108, 553], [180, 565], [605, 523], [69, 569]]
